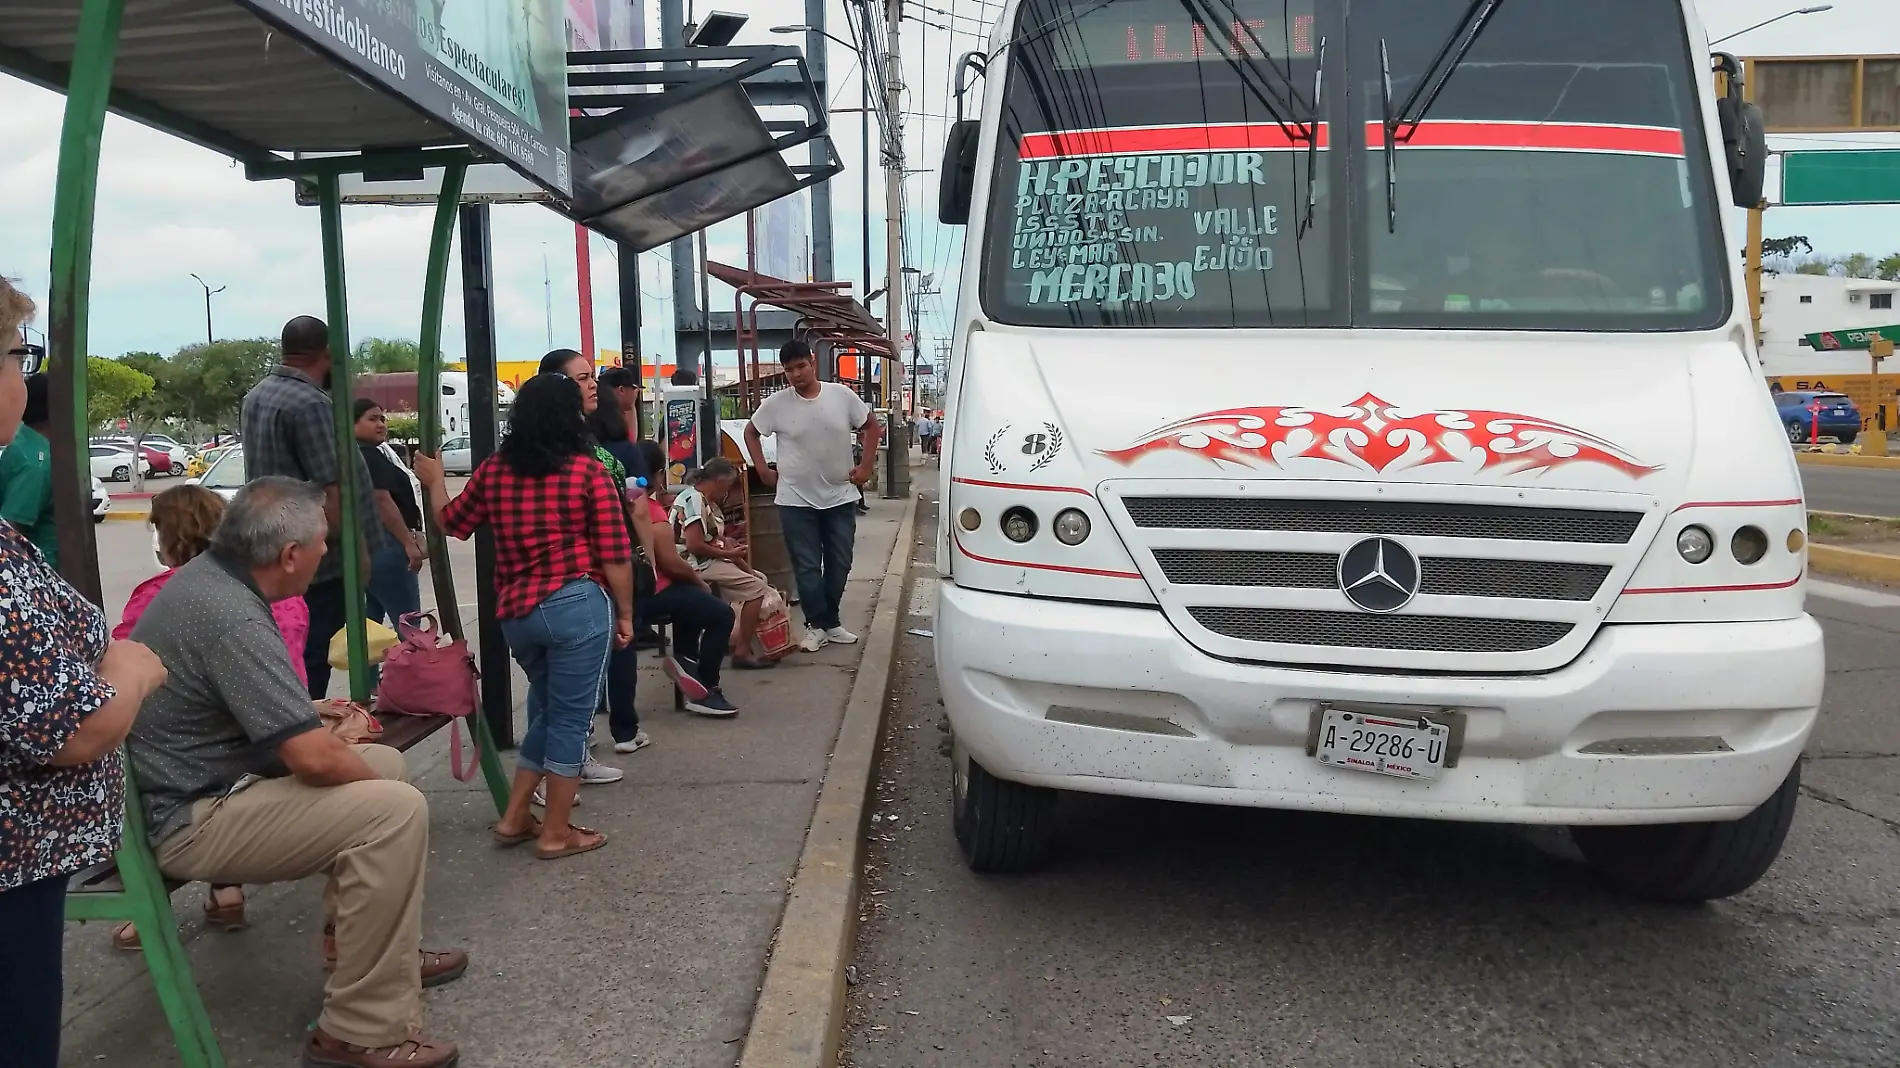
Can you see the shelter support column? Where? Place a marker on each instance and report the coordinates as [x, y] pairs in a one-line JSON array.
[[435, 284], [350, 535], [95, 48], [478, 319]]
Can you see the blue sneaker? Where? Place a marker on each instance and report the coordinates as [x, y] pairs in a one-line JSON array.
[[713, 703]]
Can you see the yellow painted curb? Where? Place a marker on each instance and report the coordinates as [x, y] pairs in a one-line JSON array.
[[799, 1018], [1846, 459], [1854, 564], [128, 516]]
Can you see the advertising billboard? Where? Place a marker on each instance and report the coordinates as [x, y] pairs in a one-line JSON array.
[[494, 69], [782, 240]]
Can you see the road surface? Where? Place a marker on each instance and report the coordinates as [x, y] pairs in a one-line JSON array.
[[1166, 934], [1863, 490]]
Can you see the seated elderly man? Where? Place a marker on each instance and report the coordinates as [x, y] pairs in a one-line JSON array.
[[242, 784]]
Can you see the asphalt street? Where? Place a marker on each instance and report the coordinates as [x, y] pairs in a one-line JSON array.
[[1168, 934], [1862, 490]]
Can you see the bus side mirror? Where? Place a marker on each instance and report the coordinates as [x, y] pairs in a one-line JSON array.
[[1745, 143], [957, 177], [1744, 136]]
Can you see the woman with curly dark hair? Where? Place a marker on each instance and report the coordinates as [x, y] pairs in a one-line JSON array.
[[564, 591]]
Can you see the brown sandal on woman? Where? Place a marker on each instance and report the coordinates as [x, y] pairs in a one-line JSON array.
[[580, 840], [224, 913]]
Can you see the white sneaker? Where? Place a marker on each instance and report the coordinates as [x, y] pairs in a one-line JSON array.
[[841, 636], [594, 773], [633, 745], [814, 640], [541, 796]]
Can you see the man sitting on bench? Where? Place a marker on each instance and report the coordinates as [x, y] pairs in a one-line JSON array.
[[242, 784]]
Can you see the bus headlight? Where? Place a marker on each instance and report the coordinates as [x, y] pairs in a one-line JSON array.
[[1071, 527], [1019, 524], [1695, 544], [1749, 545]]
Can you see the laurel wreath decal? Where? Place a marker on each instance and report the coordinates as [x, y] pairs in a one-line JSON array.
[[1049, 454], [989, 451]]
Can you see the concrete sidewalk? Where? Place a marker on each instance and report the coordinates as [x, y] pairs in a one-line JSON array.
[[647, 952]]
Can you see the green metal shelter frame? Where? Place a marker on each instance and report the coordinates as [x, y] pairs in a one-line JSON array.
[[78, 48]]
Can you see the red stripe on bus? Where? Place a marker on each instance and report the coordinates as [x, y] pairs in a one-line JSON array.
[[1547, 136], [1133, 140]]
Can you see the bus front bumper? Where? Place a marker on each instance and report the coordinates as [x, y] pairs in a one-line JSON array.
[[1656, 723]]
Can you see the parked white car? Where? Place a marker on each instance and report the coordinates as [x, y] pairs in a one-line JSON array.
[[226, 475], [457, 457], [114, 463], [101, 500]]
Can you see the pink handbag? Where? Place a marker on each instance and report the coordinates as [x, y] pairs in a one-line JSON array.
[[427, 676]]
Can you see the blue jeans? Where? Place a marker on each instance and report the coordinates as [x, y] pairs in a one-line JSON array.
[[820, 542], [394, 590], [562, 646]]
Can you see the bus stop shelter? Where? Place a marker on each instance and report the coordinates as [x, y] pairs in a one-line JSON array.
[[319, 91]]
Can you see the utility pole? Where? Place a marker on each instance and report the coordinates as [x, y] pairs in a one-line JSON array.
[[925, 287], [864, 203], [896, 483], [209, 292]]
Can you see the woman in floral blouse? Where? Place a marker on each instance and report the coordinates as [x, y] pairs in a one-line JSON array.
[[70, 698]]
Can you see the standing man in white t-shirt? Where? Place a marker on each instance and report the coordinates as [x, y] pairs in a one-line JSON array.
[[818, 486]]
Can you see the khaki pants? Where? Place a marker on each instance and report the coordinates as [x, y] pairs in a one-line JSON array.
[[372, 840], [734, 584]]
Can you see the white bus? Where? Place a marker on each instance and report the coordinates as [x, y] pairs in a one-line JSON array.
[[1353, 408]]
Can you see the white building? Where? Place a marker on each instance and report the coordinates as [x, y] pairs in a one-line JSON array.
[[1795, 305]]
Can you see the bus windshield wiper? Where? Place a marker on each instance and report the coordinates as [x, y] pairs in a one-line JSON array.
[[1401, 126]]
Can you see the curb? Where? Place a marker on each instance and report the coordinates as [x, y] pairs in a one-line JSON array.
[[1846, 459], [128, 515], [799, 1016], [1854, 564]]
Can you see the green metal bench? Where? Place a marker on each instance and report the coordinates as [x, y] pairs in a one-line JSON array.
[[131, 889]]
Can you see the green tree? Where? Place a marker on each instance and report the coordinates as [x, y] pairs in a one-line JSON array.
[[112, 388], [210, 380], [1889, 267], [1781, 248], [381, 355], [404, 426]]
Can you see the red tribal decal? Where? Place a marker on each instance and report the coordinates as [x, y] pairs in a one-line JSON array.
[[1374, 435]]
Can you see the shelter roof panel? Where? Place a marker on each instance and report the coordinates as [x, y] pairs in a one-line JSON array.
[[218, 73]]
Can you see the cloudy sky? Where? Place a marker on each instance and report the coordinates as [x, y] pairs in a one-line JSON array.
[[168, 209]]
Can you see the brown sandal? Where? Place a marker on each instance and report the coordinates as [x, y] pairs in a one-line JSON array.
[[219, 914], [580, 840], [321, 1050], [509, 841]]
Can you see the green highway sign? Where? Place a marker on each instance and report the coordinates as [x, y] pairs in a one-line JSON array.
[[1810, 179], [1858, 338]]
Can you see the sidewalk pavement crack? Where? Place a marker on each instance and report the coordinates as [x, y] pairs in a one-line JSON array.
[[1851, 754], [1838, 802]]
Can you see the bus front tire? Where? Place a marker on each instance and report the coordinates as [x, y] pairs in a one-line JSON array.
[[1689, 863], [1001, 826]]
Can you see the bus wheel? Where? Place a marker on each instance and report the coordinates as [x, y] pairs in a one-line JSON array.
[[1001, 826], [1688, 863]]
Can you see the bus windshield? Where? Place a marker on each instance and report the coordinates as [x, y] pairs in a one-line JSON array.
[[1185, 163]]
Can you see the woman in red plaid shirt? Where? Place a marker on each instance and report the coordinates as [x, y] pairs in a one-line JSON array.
[[564, 591]]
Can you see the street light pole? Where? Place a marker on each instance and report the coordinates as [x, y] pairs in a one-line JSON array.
[[208, 294], [1811, 10], [896, 483]]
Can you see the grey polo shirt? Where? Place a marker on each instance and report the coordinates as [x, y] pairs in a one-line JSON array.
[[230, 696], [289, 429]]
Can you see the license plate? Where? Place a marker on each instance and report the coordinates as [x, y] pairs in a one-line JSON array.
[[1408, 748], [1840, 411]]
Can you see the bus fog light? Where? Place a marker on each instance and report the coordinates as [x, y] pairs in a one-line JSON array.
[[1695, 544], [1749, 545], [1071, 527], [1019, 524], [968, 519], [1797, 540]]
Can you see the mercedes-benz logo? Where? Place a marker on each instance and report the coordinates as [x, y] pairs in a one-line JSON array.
[[1379, 575]]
